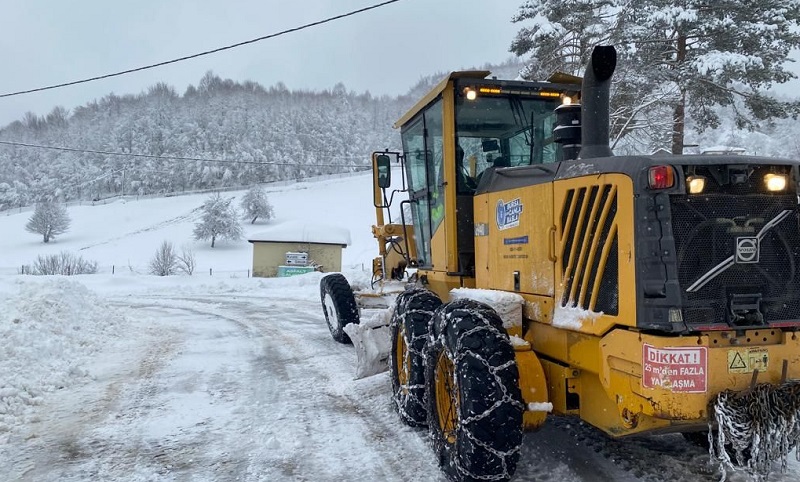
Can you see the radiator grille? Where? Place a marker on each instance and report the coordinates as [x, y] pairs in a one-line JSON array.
[[589, 263], [706, 228]]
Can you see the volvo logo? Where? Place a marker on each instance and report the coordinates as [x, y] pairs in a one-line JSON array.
[[747, 249]]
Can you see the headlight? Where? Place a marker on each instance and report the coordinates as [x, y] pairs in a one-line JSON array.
[[696, 184], [775, 182]]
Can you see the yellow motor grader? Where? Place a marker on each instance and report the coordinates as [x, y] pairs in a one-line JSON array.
[[643, 294]]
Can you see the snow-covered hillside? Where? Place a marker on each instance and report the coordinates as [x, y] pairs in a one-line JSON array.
[[133, 377], [125, 234]]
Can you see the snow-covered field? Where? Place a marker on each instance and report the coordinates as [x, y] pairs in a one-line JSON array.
[[133, 377]]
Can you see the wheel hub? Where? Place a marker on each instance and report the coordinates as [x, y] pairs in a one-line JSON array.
[[330, 312], [447, 398], [401, 354]]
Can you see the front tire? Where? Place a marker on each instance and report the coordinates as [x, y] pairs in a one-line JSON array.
[[338, 305], [409, 326], [472, 385]]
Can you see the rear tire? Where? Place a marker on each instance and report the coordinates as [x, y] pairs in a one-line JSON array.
[[338, 305], [409, 325], [472, 385]]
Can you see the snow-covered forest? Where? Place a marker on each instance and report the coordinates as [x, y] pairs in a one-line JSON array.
[[260, 135]]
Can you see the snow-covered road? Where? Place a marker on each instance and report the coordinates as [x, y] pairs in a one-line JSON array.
[[240, 381], [218, 387]]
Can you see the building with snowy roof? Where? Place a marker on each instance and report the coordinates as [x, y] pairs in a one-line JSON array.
[[294, 248]]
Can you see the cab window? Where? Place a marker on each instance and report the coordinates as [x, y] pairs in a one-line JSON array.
[[423, 149]]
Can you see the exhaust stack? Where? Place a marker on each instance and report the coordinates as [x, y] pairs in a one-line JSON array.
[[595, 94]]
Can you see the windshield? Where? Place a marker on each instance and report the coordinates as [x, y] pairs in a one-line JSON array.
[[505, 131]]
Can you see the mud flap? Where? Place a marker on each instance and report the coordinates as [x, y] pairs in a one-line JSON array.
[[372, 340]]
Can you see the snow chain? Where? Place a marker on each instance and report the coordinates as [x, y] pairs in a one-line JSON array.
[[759, 425]]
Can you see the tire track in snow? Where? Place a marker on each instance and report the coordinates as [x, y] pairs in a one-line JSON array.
[[148, 433], [191, 215], [285, 355], [63, 439], [307, 353]]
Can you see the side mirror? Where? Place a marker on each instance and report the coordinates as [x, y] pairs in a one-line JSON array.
[[384, 169]]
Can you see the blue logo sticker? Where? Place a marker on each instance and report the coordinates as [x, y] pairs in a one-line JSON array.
[[507, 214]]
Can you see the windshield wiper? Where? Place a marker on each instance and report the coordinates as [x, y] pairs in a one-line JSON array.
[[518, 111]]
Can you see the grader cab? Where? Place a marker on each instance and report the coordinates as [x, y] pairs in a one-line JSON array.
[[642, 294]]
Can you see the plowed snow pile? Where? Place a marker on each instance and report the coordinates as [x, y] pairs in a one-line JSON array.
[[51, 327]]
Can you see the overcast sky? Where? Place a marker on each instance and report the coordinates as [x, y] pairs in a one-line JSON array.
[[385, 51]]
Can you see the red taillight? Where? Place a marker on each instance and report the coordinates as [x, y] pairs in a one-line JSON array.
[[661, 177]]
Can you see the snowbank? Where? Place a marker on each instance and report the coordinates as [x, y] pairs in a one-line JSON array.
[[49, 327]]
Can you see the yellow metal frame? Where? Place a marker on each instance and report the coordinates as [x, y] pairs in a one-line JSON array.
[[444, 242], [446, 83], [387, 260]]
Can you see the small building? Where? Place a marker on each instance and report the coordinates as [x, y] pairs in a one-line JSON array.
[[293, 248]]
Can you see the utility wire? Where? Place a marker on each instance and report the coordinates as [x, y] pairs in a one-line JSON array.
[[207, 52], [175, 158]]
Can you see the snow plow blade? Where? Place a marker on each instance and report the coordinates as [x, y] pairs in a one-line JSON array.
[[372, 340], [755, 427]]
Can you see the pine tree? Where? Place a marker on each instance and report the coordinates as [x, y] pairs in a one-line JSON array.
[[562, 34], [714, 53], [561, 39], [255, 205], [675, 58], [219, 220], [49, 219]]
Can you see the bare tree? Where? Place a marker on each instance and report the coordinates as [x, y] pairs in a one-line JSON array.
[[64, 263], [49, 219], [187, 262], [165, 261]]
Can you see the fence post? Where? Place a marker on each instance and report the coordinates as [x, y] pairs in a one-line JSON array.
[[112, 269], [248, 272], [209, 272]]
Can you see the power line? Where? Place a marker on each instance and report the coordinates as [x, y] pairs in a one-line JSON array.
[[207, 52], [180, 158]]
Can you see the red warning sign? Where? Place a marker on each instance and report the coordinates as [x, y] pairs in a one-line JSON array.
[[676, 369]]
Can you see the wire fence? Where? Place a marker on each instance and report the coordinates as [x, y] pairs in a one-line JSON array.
[[135, 270]]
